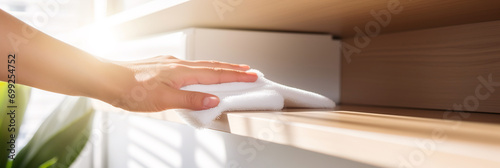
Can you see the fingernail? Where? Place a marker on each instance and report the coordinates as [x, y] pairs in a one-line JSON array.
[[210, 102], [244, 66], [253, 76]]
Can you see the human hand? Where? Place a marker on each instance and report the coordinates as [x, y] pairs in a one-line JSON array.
[[158, 81], [149, 85]]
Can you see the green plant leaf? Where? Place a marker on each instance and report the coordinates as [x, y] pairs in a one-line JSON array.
[[22, 94], [49, 163], [62, 135]]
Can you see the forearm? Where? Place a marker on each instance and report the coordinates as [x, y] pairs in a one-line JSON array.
[[47, 63]]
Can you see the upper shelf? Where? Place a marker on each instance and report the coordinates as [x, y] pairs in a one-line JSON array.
[[386, 137], [338, 17]]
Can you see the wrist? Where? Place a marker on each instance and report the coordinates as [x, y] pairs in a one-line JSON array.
[[116, 83]]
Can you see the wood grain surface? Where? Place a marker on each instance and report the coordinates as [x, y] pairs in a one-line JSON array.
[[337, 17], [383, 137], [456, 67]]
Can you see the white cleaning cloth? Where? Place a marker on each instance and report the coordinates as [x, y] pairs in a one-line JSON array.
[[262, 94]]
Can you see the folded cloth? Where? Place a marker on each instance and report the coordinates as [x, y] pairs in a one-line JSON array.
[[262, 94]]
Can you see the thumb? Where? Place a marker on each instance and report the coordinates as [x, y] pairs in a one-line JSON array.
[[192, 100]]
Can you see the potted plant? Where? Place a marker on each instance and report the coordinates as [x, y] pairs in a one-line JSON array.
[[59, 139]]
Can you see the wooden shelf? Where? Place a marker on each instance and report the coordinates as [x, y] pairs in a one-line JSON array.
[[439, 68], [386, 137], [336, 17]]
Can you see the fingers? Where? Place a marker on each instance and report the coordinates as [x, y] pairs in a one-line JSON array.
[[196, 75], [216, 64], [211, 64], [191, 100], [181, 73]]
